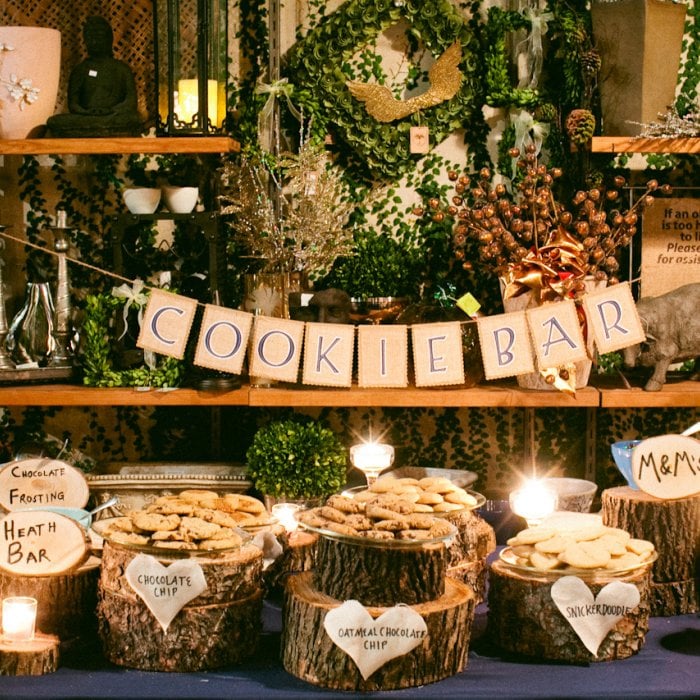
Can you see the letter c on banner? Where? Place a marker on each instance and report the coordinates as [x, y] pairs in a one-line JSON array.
[[155, 319]]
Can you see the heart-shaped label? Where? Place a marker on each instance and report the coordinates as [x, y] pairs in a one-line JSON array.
[[165, 589], [592, 618], [371, 642]]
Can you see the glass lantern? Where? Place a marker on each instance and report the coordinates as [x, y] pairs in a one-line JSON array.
[[191, 51]]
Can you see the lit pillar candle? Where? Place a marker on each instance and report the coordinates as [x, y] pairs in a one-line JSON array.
[[18, 619], [533, 501], [187, 101], [285, 514]]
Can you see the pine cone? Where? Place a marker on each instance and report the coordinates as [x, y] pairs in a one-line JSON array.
[[580, 126], [590, 62]]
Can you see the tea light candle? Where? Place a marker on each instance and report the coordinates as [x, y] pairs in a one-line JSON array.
[[285, 513], [372, 458], [18, 619], [533, 501]]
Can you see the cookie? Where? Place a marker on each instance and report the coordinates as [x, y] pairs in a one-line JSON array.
[[333, 514], [152, 522], [585, 555], [344, 504], [198, 528], [544, 562], [554, 545], [377, 534]]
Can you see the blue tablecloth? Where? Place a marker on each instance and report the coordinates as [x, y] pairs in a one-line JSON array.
[[668, 666]]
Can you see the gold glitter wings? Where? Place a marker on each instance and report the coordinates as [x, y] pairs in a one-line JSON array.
[[445, 79]]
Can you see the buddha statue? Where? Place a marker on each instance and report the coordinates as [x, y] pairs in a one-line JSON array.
[[101, 91]]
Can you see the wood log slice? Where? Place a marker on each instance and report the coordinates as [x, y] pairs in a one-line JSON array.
[[34, 658], [523, 618], [380, 574], [67, 601], [298, 554], [309, 653], [474, 574], [675, 598], [230, 575], [475, 538], [200, 637], [672, 525]]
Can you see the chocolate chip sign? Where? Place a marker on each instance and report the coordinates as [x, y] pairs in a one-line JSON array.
[[39, 482], [40, 543], [165, 589], [667, 466]]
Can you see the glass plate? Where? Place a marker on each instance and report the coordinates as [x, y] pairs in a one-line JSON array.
[[166, 552], [507, 556], [479, 498], [369, 542]]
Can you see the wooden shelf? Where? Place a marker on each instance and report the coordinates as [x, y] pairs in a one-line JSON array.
[[118, 145], [77, 395], [684, 394], [636, 144], [672, 395], [484, 395]]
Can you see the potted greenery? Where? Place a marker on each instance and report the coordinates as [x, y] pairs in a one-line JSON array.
[[294, 460]]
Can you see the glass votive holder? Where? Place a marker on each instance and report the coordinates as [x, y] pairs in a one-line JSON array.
[[533, 501], [18, 619], [285, 513]]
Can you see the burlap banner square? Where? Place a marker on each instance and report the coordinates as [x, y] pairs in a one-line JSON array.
[[556, 334], [437, 353], [223, 339], [166, 323], [613, 318], [505, 345], [275, 351], [382, 356], [328, 354]]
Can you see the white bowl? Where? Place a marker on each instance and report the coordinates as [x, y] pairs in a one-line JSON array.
[[573, 494], [142, 200], [180, 200]]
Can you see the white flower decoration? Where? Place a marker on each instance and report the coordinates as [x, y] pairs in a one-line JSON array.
[[21, 90]]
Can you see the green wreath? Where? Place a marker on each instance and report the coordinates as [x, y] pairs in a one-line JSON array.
[[98, 362], [315, 66]]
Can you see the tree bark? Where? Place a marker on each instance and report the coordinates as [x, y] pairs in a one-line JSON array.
[[201, 637], [34, 658], [674, 528], [380, 574], [67, 602], [310, 654], [524, 619], [219, 627]]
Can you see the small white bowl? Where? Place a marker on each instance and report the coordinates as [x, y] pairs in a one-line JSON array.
[[142, 200], [573, 494], [180, 200]]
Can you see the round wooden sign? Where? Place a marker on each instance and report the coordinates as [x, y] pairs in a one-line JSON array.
[[41, 543], [39, 482]]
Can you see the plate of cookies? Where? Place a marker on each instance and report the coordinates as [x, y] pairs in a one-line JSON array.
[[388, 521], [586, 549], [190, 522], [435, 495]]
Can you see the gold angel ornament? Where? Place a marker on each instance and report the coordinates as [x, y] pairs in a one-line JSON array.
[[445, 80]]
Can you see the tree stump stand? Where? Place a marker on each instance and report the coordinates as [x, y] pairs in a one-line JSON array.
[[380, 574], [467, 553], [219, 627], [674, 528], [298, 554], [68, 602], [524, 619], [34, 658], [309, 653]]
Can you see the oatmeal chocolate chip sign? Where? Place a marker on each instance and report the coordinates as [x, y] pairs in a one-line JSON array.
[[317, 65]]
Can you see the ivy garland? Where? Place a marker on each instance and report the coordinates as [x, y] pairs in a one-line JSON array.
[[317, 65], [97, 359]]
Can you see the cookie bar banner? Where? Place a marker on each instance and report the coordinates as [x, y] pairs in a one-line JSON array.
[[324, 354]]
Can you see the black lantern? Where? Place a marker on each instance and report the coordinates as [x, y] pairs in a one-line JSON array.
[[191, 52]]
